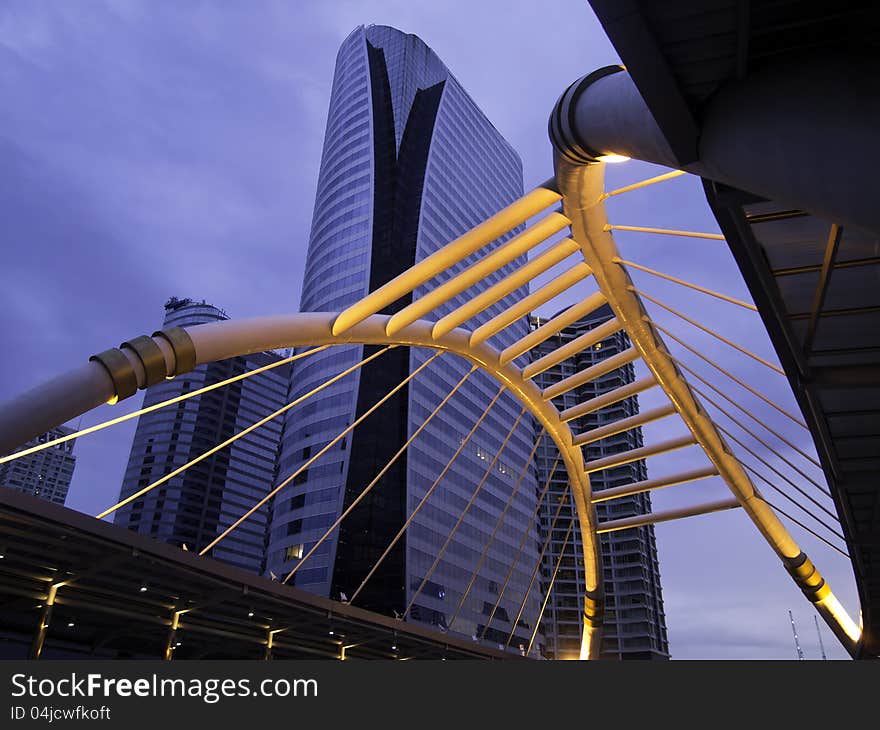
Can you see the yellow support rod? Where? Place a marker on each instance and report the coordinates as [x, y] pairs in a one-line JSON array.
[[552, 327], [653, 518], [624, 424], [514, 248], [522, 276], [649, 485], [627, 457], [529, 304], [665, 232], [589, 374], [608, 399], [505, 220], [578, 344], [645, 183]]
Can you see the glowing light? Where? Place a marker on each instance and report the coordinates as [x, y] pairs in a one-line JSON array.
[[612, 158]]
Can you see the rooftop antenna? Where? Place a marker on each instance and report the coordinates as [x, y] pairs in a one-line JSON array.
[[821, 645], [797, 643]]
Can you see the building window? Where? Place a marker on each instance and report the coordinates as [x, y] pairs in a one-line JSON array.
[[294, 552]]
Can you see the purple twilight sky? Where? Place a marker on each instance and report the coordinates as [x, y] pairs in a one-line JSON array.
[[156, 149]]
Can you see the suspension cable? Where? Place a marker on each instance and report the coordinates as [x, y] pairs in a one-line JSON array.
[[525, 599], [549, 591], [428, 493], [761, 441], [747, 412], [782, 476], [644, 183], [348, 429], [381, 473], [240, 434], [730, 375], [157, 406], [754, 472], [682, 282], [515, 560], [485, 552], [708, 331], [467, 507], [803, 526]]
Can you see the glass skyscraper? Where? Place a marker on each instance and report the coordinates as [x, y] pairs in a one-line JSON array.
[[409, 163], [46, 473], [635, 624], [195, 506]]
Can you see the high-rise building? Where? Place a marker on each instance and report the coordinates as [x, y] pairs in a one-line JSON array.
[[635, 625], [194, 506], [46, 473], [409, 163]]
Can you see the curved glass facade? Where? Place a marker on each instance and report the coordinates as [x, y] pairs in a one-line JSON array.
[[409, 164]]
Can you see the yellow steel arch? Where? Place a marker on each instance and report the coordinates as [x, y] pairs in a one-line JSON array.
[[582, 189], [229, 338]]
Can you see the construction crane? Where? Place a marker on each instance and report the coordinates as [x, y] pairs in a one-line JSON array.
[[821, 645], [797, 643]]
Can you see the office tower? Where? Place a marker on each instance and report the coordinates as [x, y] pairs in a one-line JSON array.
[[196, 505], [409, 163], [635, 625], [46, 473]]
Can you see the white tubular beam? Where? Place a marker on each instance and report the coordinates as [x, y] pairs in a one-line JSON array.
[[624, 424], [675, 514], [627, 457], [648, 485], [505, 220], [579, 344], [608, 399], [591, 373], [529, 304], [582, 187], [522, 276], [517, 246], [553, 326]]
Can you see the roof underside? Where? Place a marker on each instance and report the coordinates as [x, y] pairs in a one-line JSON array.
[[817, 285], [227, 613]]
